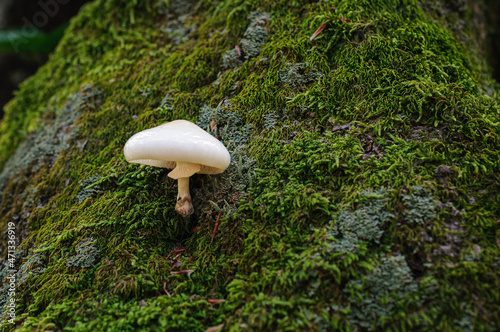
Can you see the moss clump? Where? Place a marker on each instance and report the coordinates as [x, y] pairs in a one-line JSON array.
[[149, 314]]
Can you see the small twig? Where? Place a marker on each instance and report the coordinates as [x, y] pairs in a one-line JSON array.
[[216, 225], [176, 258], [215, 328], [318, 31], [176, 251], [238, 51], [216, 301], [165, 289], [189, 272], [196, 229]]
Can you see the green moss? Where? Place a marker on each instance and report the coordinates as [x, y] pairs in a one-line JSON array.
[[363, 189]]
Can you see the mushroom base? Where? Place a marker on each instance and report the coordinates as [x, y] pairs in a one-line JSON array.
[[184, 206]]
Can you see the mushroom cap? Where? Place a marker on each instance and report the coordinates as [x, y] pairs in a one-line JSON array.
[[178, 141]]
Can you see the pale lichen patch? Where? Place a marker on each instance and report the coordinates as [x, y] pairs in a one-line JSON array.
[[388, 284], [44, 146], [87, 253], [252, 41]]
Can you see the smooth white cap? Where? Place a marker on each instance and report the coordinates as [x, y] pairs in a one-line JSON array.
[[178, 141]]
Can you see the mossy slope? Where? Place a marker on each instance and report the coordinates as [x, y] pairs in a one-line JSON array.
[[363, 190]]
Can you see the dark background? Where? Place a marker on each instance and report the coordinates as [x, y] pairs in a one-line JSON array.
[[16, 67]]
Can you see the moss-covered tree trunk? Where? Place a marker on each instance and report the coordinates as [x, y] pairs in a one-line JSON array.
[[363, 191]]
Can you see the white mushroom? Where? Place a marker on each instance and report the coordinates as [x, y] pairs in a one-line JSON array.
[[183, 146]]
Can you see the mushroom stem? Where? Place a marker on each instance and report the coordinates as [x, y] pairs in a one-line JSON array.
[[184, 206]]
